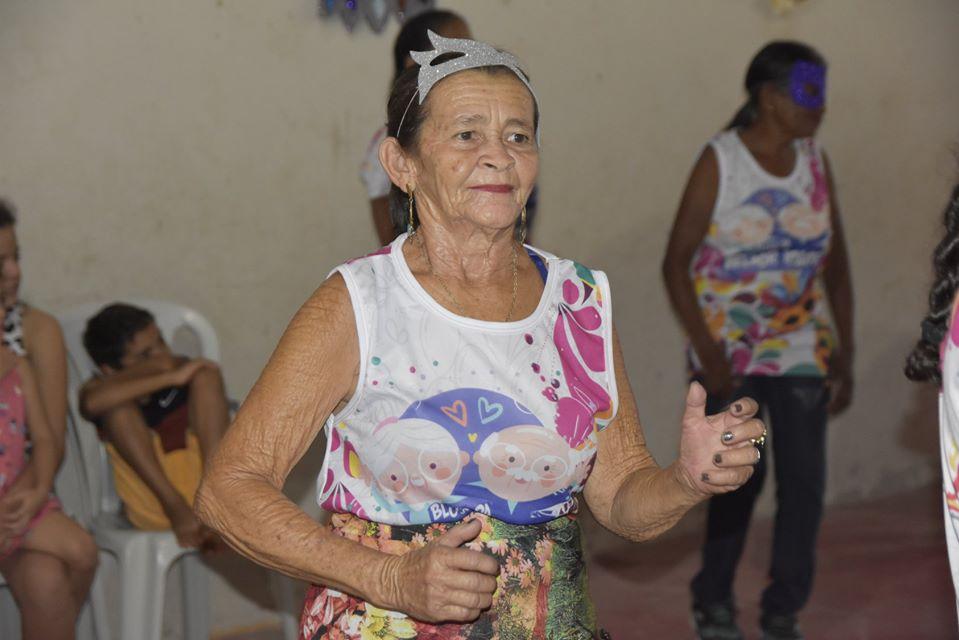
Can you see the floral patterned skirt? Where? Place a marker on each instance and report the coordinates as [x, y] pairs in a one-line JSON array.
[[542, 590]]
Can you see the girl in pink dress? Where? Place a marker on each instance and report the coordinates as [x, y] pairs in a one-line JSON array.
[[33, 529]]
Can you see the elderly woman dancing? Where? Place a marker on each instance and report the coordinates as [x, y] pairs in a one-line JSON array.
[[471, 389]]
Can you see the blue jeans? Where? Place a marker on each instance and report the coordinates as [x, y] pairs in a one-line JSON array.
[[795, 413]]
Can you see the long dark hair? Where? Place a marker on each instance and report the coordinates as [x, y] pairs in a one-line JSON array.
[[413, 36], [772, 65], [922, 365]]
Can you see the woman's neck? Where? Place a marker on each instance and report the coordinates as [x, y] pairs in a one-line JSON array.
[[767, 138], [473, 256]]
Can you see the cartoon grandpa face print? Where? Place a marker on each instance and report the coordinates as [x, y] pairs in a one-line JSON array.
[[803, 222], [524, 463]]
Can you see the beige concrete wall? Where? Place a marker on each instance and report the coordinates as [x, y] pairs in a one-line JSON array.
[[207, 152]]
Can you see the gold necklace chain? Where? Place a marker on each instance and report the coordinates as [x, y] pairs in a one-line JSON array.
[[449, 294]]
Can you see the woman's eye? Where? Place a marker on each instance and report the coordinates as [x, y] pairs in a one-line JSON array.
[[464, 135], [519, 138]]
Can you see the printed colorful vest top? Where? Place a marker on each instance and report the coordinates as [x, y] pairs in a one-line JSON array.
[[949, 439], [454, 415], [756, 271]]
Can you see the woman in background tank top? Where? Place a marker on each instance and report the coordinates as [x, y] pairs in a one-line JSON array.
[[756, 246], [412, 37]]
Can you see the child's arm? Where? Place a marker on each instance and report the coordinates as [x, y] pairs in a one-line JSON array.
[[48, 358], [103, 394], [29, 492]]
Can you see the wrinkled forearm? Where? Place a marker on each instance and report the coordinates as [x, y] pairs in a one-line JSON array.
[[636, 498], [650, 502], [627, 491], [260, 523]]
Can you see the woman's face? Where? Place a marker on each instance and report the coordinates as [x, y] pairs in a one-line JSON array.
[[9, 266], [798, 121], [477, 157]]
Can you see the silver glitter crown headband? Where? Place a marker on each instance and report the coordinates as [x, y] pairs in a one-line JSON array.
[[473, 55]]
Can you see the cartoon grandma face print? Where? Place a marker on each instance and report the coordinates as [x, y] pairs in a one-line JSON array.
[[413, 461]]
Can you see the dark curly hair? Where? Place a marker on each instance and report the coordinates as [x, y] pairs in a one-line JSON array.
[[108, 333], [923, 364]]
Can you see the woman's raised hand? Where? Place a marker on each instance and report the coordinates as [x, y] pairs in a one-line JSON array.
[[442, 582], [716, 454]]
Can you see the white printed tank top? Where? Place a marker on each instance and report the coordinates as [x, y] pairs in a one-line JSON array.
[[756, 273], [949, 440], [453, 415]]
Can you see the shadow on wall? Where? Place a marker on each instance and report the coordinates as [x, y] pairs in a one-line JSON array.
[[919, 429], [888, 441]]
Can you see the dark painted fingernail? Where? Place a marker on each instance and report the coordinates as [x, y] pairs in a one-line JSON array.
[[705, 477], [738, 407], [728, 436], [718, 458]]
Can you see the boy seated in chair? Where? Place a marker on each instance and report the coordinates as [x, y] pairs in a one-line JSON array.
[[161, 416]]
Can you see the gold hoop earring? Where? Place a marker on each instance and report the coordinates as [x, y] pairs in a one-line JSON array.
[[410, 228], [522, 226]]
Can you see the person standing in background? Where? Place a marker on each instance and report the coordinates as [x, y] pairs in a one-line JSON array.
[[412, 37], [757, 234]]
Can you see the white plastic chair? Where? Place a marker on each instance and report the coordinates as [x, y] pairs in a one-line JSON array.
[[72, 487], [144, 557], [9, 614]]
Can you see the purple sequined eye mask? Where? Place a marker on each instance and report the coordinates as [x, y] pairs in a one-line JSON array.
[[807, 85]]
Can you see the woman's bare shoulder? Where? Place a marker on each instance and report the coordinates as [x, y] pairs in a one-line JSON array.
[[324, 326], [329, 305], [41, 331], [40, 323]]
